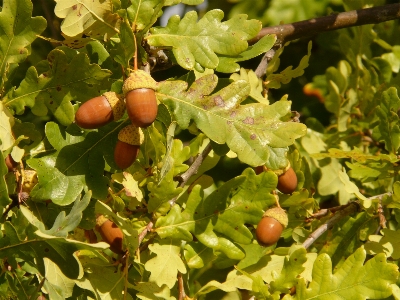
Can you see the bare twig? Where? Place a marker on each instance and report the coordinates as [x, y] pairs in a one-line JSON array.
[[145, 231], [289, 32], [262, 67], [382, 219], [182, 293], [194, 167], [351, 208], [324, 212]]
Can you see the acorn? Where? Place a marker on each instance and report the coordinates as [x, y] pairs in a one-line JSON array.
[[100, 111], [127, 149], [270, 228], [140, 97], [287, 182], [110, 233], [10, 163]]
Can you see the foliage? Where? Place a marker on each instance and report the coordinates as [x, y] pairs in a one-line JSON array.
[[188, 207]]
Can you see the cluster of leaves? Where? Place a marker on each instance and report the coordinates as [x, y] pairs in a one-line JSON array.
[[199, 227]]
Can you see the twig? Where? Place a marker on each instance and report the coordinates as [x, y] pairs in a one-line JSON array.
[[194, 167], [182, 293], [145, 231], [324, 212], [262, 67], [289, 32], [351, 208], [382, 219]]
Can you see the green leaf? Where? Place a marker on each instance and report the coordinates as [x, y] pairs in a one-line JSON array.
[[59, 250], [249, 130], [145, 13], [63, 224], [17, 31], [151, 291], [78, 162], [165, 266], [352, 188], [388, 119], [292, 268], [223, 213], [194, 41], [93, 18], [57, 285], [228, 64], [162, 193], [197, 255], [66, 79], [125, 49], [275, 80], [105, 280], [345, 238], [389, 244], [230, 285], [256, 84], [353, 280]]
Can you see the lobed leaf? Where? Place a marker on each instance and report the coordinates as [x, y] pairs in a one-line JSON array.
[[17, 31], [90, 17], [199, 42], [66, 78], [228, 64], [353, 280], [59, 250], [77, 162], [165, 266], [251, 130], [223, 213]]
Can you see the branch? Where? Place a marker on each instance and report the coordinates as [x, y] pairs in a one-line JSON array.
[[194, 167], [145, 231], [351, 208], [181, 287], [289, 32]]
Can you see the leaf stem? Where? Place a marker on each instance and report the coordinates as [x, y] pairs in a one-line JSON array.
[[307, 28]]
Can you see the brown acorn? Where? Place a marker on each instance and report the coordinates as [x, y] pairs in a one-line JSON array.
[[127, 149], [100, 110], [10, 163], [140, 97], [110, 233], [270, 228], [287, 182]]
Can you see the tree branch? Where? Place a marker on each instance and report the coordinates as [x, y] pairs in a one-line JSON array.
[[289, 32], [351, 208], [194, 167]]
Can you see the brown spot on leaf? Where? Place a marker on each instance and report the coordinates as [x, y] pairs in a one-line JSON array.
[[46, 250], [219, 101], [74, 7], [233, 114], [253, 136], [248, 120], [58, 88]]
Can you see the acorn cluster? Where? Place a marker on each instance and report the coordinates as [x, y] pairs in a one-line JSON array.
[[274, 220], [140, 102]]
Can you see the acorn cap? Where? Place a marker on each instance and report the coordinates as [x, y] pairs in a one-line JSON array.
[[131, 135], [278, 214], [117, 104], [139, 79], [100, 220]]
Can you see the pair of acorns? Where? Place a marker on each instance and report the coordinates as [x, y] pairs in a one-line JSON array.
[[139, 100], [274, 220]]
